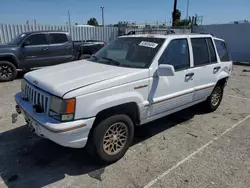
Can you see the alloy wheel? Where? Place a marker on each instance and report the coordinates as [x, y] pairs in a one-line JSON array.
[[115, 138], [5, 71], [216, 96]]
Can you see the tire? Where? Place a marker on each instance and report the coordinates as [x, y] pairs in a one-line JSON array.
[[85, 56], [103, 130], [214, 100], [8, 71]]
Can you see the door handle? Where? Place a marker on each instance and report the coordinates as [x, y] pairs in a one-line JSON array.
[[45, 49], [217, 68], [190, 74], [68, 47]]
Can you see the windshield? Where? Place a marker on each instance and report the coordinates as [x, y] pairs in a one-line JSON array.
[[18, 39], [136, 52]]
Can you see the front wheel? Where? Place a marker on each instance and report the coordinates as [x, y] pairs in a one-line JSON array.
[[111, 138], [8, 71], [214, 100]]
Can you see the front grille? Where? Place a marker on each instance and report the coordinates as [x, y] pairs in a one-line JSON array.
[[37, 97]]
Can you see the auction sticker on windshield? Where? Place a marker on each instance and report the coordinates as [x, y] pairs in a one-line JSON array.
[[148, 44]]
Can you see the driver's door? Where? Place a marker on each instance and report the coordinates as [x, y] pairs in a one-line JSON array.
[[34, 51], [167, 93]]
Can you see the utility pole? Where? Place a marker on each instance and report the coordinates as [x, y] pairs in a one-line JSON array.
[[174, 13], [187, 11], [35, 23], [102, 16], [69, 18]]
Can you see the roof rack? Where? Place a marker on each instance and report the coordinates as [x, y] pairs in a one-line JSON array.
[[206, 33], [149, 31]]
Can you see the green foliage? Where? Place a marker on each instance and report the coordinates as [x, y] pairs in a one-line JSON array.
[[183, 22], [92, 21]]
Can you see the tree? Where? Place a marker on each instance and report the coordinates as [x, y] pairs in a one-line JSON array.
[[184, 22], [176, 16], [92, 21]]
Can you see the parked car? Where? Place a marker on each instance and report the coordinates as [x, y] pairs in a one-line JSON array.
[[42, 48], [134, 80]]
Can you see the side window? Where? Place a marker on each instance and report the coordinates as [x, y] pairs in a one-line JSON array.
[[176, 54], [37, 39], [58, 38], [222, 50], [212, 53], [200, 51]]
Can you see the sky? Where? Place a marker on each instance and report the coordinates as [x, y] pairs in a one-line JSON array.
[[139, 11]]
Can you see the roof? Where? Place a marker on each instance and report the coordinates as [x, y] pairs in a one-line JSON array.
[[168, 35], [31, 32]]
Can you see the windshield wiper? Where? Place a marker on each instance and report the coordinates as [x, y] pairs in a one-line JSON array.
[[114, 62], [95, 57]]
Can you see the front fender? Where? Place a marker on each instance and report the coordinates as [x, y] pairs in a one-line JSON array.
[[88, 107], [13, 56]]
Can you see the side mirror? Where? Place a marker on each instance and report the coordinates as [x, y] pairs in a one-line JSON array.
[[166, 70], [26, 43]]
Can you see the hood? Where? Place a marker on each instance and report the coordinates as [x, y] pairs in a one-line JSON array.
[[63, 78]]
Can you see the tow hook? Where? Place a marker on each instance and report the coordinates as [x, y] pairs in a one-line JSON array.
[[14, 115], [18, 109]]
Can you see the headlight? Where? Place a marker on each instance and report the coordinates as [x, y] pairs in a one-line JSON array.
[[62, 109], [23, 85]]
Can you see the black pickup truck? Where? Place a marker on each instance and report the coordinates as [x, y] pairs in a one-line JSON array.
[[42, 48]]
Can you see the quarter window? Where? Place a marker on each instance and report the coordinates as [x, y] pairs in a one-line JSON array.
[[222, 50], [176, 54], [200, 51], [37, 39], [58, 38]]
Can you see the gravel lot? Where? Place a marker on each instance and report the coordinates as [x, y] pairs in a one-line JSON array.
[[187, 149]]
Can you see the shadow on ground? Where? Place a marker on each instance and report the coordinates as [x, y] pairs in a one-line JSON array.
[[29, 161]]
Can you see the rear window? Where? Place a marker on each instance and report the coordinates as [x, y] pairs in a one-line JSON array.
[[222, 50], [57, 38], [212, 53], [200, 51]]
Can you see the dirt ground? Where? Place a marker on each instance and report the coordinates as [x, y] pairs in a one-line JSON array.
[[185, 150]]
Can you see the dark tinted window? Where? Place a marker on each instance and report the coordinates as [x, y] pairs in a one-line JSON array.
[[57, 38], [37, 39], [212, 53], [222, 50], [176, 54], [200, 51]]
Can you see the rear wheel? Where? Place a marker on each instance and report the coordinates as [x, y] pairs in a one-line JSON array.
[[214, 100], [111, 138], [8, 71]]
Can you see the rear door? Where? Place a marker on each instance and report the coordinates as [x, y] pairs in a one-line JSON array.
[[35, 52], [60, 48], [206, 66]]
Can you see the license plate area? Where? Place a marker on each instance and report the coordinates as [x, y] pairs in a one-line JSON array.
[[32, 124]]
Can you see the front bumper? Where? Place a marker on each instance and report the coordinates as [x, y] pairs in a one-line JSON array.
[[72, 134]]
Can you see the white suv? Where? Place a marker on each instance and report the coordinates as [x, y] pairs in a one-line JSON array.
[[132, 81]]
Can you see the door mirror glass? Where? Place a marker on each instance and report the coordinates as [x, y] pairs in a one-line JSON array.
[[166, 70]]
